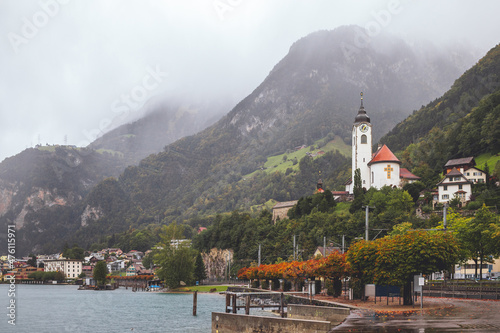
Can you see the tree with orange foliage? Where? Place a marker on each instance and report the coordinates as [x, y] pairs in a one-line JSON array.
[[394, 260]]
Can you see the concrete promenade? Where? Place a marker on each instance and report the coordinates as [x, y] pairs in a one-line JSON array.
[[438, 315]]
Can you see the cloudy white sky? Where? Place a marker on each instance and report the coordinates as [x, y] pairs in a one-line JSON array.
[[70, 67]]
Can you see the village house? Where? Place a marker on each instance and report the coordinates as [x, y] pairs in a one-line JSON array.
[[467, 167], [454, 184], [280, 210], [23, 272], [70, 267], [324, 251], [118, 265], [467, 270], [136, 269]]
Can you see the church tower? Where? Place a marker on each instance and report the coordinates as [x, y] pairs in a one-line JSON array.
[[361, 146]]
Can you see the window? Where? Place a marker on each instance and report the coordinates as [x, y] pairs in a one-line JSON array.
[[445, 188], [363, 138], [364, 181], [363, 159], [457, 178], [480, 180], [467, 174], [459, 187], [445, 196], [373, 178]]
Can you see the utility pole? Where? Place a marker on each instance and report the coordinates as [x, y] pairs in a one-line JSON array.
[[294, 247], [367, 210], [259, 254], [445, 207]]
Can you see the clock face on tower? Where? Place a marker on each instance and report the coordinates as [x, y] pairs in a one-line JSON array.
[[363, 128]]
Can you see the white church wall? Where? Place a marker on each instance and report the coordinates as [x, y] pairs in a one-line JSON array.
[[385, 173]]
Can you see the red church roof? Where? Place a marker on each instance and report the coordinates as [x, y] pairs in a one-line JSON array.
[[384, 154], [406, 174]]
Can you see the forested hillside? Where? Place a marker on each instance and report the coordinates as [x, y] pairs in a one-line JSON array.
[[464, 122]]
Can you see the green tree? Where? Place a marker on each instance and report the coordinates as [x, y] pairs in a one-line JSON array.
[[32, 260], [59, 276], [477, 235], [175, 260], [358, 192], [147, 261], [100, 272], [200, 272]]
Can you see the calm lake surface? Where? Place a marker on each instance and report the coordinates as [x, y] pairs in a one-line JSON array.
[[47, 308]]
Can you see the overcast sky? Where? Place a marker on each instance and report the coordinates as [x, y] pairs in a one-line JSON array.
[[79, 67]]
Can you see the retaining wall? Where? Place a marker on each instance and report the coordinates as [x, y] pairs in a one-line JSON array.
[[334, 315], [235, 323]]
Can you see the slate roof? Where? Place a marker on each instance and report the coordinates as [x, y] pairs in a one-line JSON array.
[[460, 161], [285, 204]]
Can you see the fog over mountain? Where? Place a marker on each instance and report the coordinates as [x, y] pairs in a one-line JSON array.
[[74, 70]]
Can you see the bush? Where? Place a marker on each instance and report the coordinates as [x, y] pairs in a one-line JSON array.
[[317, 286], [275, 284], [333, 287], [426, 209], [287, 285], [473, 205], [265, 285], [255, 284]]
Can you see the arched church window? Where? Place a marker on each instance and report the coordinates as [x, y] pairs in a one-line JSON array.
[[373, 178], [363, 138]]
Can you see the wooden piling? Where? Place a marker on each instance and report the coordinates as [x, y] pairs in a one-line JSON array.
[[247, 305], [235, 309], [282, 307], [228, 302], [195, 302]]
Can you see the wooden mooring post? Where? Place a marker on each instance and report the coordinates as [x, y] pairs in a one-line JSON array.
[[228, 302], [247, 305], [235, 309], [195, 302]]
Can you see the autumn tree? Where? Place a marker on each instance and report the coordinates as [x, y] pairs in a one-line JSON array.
[[394, 260]]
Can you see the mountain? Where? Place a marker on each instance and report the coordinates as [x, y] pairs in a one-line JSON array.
[[310, 95], [43, 188], [163, 123]]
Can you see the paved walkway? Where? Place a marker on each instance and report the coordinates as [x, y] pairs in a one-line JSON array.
[[443, 315]]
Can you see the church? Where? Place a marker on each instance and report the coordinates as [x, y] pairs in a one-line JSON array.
[[378, 169]]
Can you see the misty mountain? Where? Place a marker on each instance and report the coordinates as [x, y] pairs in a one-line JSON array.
[[163, 123], [312, 93]]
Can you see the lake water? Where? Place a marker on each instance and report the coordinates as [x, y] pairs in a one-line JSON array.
[[47, 308]]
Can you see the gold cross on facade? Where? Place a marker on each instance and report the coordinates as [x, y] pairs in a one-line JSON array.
[[388, 169]]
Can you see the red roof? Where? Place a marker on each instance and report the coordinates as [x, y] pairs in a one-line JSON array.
[[405, 174], [384, 154]]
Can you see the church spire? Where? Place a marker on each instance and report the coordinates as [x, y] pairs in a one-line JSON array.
[[362, 117]]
